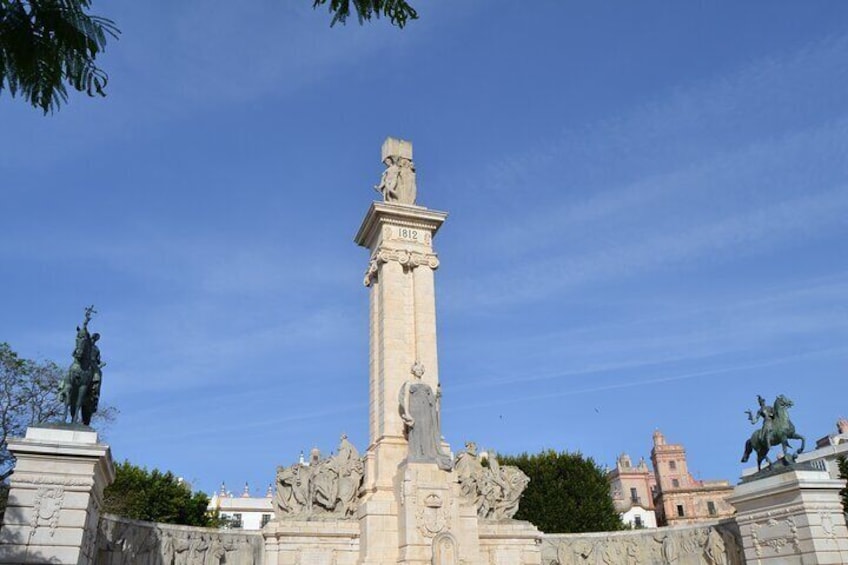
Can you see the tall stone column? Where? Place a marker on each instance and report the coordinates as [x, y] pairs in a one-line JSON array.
[[55, 496], [400, 277]]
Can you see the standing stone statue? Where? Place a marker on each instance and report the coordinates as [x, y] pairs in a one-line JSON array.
[[398, 181], [419, 410], [80, 391]]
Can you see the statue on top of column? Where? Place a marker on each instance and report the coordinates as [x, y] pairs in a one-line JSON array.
[[397, 184]]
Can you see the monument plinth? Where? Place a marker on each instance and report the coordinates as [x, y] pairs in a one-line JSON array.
[[792, 517], [55, 496]]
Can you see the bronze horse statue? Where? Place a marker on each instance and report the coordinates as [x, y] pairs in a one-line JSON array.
[[79, 390], [778, 429]]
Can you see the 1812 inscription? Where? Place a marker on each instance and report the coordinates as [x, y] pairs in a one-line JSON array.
[[407, 234]]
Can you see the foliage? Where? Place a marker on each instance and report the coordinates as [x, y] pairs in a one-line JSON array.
[[155, 496], [46, 44], [567, 493], [29, 394], [399, 12], [843, 474]]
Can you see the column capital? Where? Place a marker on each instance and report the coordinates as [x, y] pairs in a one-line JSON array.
[[408, 259]]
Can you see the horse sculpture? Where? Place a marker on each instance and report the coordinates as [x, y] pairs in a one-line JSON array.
[[80, 388], [777, 430]]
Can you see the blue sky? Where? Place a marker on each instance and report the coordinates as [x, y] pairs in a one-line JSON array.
[[648, 223]]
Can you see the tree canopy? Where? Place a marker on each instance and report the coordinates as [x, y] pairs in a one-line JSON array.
[[567, 493], [48, 45], [155, 496]]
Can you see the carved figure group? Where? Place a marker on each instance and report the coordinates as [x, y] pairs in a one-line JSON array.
[[324, 487], [123, 542], [397, 183], [495, 490], [777, 429], [80, 390], [693, 546]]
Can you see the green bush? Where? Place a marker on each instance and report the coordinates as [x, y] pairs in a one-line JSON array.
[[567, 493], [155, 496]]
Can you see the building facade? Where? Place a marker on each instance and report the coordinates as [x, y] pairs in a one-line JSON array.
[[243, 512], [679, 498], [632, 490]]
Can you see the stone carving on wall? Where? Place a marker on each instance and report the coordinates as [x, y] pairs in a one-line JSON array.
[[693, 546], [495, 490], [326, 487], [419, 407], [130, 542], [445, 550], [46, 508], [432, 515], [774, 535]]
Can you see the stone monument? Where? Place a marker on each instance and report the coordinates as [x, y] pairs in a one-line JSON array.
[[414, 509], [402, 502], [56, 490], [787, 512]]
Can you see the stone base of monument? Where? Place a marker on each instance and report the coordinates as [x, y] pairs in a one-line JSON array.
[[510, 541], [435, 525], [792, 517], [55, 496], [319, 542]]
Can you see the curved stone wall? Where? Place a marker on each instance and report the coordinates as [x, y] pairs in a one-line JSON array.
[[123, 541], [703, 544]]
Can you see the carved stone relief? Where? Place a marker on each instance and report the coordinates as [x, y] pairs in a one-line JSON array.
[[327, 487], [432, 515], [126, 542], [495, 490], [445, 549], [46, 508], [698, 545]]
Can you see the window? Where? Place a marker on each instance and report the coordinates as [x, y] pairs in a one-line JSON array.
[[711, 508], [675, 483], [265, 519], [633, 496], [237, 523], [672, 465], [637, 521], [680, 512]]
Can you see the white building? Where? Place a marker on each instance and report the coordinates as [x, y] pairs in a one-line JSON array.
[[245, 512]]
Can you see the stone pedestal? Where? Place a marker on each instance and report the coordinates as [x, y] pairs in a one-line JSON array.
[[510, 542], [792, 517], [435, 525], [55, 496], [317, 542]]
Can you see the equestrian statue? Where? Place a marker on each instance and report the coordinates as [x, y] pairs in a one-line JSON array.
[[80, 390], [777, 429]]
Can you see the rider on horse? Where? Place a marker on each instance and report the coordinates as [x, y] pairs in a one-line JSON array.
[[765, 412]]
